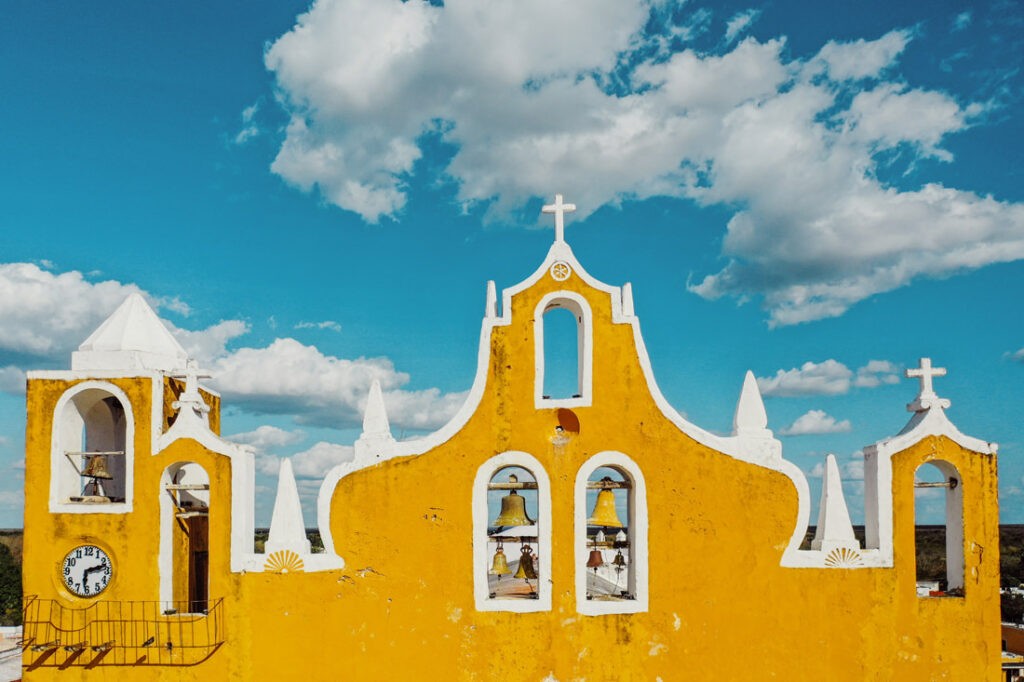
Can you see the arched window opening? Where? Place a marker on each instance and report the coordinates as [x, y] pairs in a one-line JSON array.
[[512, 535], [563, 349], [185, 525], [938, 530], [91, 463], [611, 536], [609, 557], [562, 341]]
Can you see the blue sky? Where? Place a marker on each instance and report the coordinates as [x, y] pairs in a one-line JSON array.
[[315, 196]]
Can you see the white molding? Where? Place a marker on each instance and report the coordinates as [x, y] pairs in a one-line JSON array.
[[58, 461], [481, 592], [638, 551], [580, 309]]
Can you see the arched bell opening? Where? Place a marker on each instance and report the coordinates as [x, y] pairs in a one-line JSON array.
[[185, 538], [512, 535], [609, 550], [91, 462], [938, 530], [611, 536]]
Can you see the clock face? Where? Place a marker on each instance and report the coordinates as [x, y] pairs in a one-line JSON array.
[[86, 571]]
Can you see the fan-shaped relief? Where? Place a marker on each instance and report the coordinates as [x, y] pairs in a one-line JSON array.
[[284, 561], [844, 557]]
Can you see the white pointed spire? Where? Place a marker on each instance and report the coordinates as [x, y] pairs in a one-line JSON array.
[[376, 439], [287, 529], [133, 337], [834, 528], [627, 300], [750, 417]]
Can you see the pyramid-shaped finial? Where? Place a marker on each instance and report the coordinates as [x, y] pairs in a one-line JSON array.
[[376, 439], [834, 527], [287, 530], [750, 417], [133, 337]]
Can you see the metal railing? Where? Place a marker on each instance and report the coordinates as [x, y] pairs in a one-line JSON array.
[[109, 633]]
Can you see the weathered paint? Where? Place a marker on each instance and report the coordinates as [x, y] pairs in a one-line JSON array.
[[720, 603]]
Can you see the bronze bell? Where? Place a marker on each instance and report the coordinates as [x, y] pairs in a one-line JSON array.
[[526, 567], [513, 509], [499, 566], [619, 561], [604, 511], [595, 559], [96, 467]]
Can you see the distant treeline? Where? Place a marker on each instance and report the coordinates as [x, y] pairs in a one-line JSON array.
[[931, 564]]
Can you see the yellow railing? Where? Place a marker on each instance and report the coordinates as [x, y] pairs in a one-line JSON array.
[[120, 633]]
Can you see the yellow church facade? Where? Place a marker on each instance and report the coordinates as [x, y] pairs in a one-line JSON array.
[[596, 535]]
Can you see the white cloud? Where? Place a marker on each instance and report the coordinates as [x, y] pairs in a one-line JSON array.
[[288, 377], [265, 438], [249, 129], [826, 378], [206, 345], [312, 463], [1017, 355], [862, 58], [739, 23], [815, 422], [850, 470], [48, 315], [326, 324], [876, 373], [961, 21], [533, 96], [12, 380]]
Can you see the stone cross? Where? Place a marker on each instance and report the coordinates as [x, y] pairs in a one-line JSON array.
[[559, 209], [926, 398], [191, 396]]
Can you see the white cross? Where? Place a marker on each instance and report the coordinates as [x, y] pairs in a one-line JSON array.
[[559, 209], [927, 397], [191, 395]]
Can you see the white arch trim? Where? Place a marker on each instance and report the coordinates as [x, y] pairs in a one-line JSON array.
[[637, 536], [58, 505], [481, 593]]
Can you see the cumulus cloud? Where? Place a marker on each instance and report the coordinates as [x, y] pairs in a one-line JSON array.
[[825, 378], [1017, 355], [288, 377], [961, 21], [605, 100], [815, 422], [206, 345], [876, 373], [265, 438], [12, 380], [313, 463], [249, 128]]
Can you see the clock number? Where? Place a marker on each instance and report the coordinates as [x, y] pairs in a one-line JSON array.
[[88, 551], [71, 561], [70, 581], [67, 569], [78, 553]]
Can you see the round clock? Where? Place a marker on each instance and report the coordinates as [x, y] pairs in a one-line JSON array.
[[86, 571]]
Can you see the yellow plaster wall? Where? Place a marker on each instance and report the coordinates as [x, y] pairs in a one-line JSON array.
[[721, 606]]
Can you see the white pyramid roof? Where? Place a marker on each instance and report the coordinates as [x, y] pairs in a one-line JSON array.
[[132, 338]]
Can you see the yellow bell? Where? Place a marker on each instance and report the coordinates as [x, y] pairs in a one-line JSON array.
[[526, 568], [595, 560], [513, 511], [96, 467], [604, 511], [499, 566]]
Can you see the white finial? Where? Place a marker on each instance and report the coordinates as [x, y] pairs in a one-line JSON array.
[[287, 529], [491, 308], [750, 416], [834, 528], [926, 398], [376, 440], [190, 396], [559, 209]]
